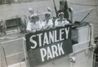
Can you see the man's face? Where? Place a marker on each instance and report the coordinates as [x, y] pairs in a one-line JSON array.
[[33, 19], [47, 16], [61, 16], [31, 11], [37, 18]]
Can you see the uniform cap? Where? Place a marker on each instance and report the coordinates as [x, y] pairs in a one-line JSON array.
[[47, 13], [61, 13], [30, 9], [48, 8], [34, 15]]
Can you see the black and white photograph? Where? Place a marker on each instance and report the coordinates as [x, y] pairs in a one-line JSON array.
[[48, 33]]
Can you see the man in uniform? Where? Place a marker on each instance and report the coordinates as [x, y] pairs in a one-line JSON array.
[[61, 21], [64, 8], [48, 22], [49, 9], [33, 24], [31, 11], [25, 20]]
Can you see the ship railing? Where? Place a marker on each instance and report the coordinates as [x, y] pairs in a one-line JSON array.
[[12, 53], [95, 60]]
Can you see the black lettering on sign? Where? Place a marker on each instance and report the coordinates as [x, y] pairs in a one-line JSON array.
[[47, 45]]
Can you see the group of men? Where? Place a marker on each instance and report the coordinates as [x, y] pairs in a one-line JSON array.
[[35, 24], [62, 18]]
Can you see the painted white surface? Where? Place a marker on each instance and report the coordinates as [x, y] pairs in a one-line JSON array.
[[83, 59], [13, 50], [82, 7], [21, 64], [83, 34]]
